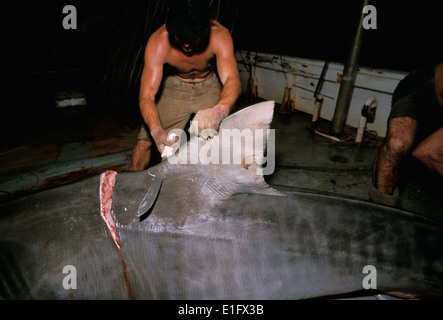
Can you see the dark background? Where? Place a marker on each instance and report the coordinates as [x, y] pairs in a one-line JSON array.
[[409, 33], [104, 56]]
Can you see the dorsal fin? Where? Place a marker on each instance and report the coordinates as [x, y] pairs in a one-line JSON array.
[[248, 134], [255, 120]]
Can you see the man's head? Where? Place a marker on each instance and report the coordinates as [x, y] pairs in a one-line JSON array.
[[188, 19]]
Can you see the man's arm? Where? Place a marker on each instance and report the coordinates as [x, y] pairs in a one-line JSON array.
[[227, 69], [155, 56], [150, 82], [206, 122]]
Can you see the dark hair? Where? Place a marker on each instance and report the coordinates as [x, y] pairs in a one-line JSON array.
[[188, 18]]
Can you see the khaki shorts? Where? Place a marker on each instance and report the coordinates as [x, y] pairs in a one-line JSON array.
[[178, 100]]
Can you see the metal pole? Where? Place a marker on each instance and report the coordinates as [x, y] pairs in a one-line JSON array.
[[348, 80]]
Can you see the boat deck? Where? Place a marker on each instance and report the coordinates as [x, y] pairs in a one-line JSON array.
[[78, 142]]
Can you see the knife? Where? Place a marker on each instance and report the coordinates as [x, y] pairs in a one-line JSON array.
[[150, 197]]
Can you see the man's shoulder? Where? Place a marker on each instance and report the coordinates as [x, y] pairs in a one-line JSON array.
[[218, 29], [158, 47], [220, 35], [159, 41], [159, 35]]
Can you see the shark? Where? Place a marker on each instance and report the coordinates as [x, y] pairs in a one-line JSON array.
[[217, 230]]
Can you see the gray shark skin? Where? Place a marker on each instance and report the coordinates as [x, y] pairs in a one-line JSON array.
[[216, 231]]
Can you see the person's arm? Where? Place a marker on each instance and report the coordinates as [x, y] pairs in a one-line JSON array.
[[207, 121], [151, 78], [150, 82], [227, 70]]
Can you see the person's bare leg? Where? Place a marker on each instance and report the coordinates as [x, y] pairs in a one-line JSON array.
[[430, 151], [399, 140], [141, 155]]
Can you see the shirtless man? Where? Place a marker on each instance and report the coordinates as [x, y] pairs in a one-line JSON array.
[[180, 62], [415, 124]]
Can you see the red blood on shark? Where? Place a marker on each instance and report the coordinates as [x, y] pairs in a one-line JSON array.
[[107, 182]]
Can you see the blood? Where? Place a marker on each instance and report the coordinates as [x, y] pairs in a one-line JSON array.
[[125, 275], [107, 182]]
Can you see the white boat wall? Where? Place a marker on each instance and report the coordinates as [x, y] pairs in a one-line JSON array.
[[273, 74]]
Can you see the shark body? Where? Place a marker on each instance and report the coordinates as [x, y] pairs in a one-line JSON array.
[[216, 231]]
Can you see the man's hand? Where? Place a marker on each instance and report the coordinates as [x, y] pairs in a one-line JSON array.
[[207, 121], [160, 137]]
